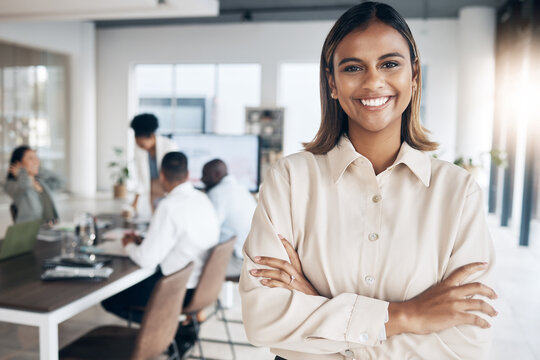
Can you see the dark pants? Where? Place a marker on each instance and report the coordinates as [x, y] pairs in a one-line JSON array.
[[279, 358], [137, 296]]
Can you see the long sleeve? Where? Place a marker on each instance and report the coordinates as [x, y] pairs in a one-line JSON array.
[[158, 242], [473, 244], [291, 320], [141, 186], [18, 186]]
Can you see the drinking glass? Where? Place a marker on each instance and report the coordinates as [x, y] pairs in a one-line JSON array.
[[86, 228]]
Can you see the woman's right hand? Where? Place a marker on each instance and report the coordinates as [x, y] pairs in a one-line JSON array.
[[443, 306], [14, 169]]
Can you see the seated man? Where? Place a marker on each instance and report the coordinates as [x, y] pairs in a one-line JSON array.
[[183, 229], [233, 203]]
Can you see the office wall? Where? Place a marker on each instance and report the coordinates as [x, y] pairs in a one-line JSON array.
[[269, 44], [77, 40]]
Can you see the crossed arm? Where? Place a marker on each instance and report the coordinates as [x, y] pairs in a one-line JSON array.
[[444, 305]]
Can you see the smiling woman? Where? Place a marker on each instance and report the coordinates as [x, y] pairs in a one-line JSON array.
[[363, 246]]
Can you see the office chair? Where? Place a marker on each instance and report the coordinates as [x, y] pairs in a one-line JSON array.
[[153, 338], [13, 211], [208, 289]]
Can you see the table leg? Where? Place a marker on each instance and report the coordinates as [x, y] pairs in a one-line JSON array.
[[48, 341]]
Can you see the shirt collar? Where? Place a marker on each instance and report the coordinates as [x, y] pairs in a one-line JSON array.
[[344, 154], [182, 188]]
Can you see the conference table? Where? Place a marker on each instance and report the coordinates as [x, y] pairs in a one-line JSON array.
[[27, 300]]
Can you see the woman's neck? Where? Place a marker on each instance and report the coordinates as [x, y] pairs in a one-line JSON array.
[[381, 149]]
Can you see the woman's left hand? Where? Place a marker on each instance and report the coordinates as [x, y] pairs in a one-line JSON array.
[[284, 274]]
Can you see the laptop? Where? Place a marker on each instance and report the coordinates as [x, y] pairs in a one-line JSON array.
[[20, 239]]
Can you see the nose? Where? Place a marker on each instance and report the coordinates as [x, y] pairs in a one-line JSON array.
[[373, 80]]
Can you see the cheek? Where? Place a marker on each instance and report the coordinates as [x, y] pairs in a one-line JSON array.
[[345, 85]]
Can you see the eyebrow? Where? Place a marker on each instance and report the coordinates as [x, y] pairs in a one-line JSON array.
[[385, 56]]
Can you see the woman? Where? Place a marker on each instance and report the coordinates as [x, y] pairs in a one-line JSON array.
[[149, 153], [387, 251], [31, 196]]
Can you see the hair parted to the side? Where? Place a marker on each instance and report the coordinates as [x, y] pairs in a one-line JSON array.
[[334, 121]]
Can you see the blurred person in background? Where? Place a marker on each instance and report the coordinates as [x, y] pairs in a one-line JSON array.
[[234, 205], [149, 152], [31, 195]]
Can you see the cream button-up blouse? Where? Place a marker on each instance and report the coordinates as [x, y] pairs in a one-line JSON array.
[[364, 241]]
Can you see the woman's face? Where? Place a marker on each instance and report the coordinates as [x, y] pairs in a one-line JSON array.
[[373, 78], [30, 162]]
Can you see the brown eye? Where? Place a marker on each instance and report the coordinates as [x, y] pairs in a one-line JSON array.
[[390, 65], [352, 68]]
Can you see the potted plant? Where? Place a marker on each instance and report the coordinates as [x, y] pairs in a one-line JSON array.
[[498, 158], [119, 173]]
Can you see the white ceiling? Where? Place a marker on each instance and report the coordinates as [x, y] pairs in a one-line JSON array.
[[112, 13], [301, 10], [17, 10]]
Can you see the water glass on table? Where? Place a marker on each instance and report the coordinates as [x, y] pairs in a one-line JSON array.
[[70, 243]]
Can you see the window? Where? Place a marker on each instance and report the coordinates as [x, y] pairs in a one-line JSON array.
[[198, 98], [33, 107], [299, 95]]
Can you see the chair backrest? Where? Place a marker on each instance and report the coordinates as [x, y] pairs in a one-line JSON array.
[[160, 319], [13, 211], [212, 277]]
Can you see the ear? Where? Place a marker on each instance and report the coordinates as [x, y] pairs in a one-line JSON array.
[[331, 83], [162, 178]]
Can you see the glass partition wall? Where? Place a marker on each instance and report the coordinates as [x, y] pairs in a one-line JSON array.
[[34, 108]]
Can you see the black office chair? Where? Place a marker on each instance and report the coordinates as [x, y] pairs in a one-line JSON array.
[[13, 211]]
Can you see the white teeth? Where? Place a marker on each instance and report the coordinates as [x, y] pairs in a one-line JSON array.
[[375, 102]]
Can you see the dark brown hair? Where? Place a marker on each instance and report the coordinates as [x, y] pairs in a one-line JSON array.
[[334, 121], [16, 157]]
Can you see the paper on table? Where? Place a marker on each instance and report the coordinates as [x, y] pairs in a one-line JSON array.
[[118, 234], [63, 272], [49, 235], [65, 226], [112, 247]]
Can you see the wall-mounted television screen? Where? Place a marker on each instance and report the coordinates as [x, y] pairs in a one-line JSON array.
[[241, 153]]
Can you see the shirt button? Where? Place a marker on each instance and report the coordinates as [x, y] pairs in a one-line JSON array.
[[369, 279], [376, 198], [373, 237], [349, 353], [364, 337]]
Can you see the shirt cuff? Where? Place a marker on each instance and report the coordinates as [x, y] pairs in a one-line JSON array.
[[130, 248], [382, 333], [365, 323]]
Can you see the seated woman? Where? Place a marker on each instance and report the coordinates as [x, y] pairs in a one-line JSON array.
[[385, 251], [31, 196]]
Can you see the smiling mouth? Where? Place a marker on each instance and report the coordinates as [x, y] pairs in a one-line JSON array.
[[375, 102]]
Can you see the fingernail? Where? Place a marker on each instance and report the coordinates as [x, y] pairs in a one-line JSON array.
[[264, 281], [281, 236], [254, 272], [257, 258]]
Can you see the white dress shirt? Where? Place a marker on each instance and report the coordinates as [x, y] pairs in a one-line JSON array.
[[234, 207], [364, 240], [183, 229]]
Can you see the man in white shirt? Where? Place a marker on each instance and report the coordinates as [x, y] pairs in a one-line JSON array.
[[184, 228], [233, 203], [149, 152]]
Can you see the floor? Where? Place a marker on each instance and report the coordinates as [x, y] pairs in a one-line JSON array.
[[516, 329]]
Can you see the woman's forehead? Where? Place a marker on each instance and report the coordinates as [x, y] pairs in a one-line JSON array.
[[373, 41]]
